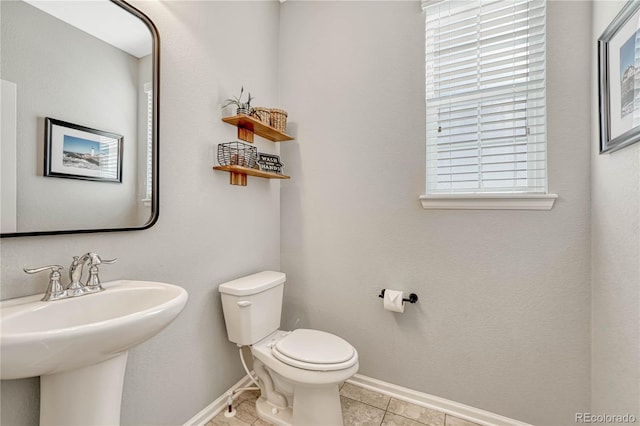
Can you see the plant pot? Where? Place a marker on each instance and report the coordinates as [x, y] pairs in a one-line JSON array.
[[244, 109]]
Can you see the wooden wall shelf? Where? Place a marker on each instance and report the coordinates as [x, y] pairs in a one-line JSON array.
[[247, 126], [238, 174]]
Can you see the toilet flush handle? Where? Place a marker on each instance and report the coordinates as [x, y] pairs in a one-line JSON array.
[[244, 303]]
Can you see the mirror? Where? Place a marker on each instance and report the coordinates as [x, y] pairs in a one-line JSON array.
[[79, 130]]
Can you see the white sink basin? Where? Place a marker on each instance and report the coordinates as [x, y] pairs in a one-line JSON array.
[[79, 346], [41, 338]]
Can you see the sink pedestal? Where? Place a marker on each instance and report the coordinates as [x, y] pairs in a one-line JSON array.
[[86, 396]]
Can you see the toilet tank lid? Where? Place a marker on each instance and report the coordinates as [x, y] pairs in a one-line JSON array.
[[252, 284]]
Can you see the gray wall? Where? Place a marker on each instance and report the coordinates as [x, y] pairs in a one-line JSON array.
[[66, 74], [615, 245], [208, 231], [503, 321], [503, 318]]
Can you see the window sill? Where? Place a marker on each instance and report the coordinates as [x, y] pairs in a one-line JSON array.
[[489, 202], [146, 202]]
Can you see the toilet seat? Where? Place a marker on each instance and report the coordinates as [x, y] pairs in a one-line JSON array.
[[315, 350]]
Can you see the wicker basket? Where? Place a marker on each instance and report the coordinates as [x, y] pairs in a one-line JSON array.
[[262, 114], [237, 154], [278, 119]]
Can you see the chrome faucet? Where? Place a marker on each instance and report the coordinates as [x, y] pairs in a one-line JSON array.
[[75, 287], [55, 290], [93, 282]]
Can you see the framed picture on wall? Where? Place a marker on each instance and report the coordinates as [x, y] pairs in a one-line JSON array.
[[619, 80], [77, 152]]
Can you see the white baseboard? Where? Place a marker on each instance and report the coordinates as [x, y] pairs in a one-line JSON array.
[[446, 406], [422, 399], [213, 409]]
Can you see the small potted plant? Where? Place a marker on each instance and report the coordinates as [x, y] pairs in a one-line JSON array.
[[241, 107]]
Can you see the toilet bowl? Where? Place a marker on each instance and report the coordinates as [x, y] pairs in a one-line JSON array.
[[299, 371], [306, 368]]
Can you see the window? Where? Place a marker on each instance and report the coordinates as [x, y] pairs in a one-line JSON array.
[[485, 94]]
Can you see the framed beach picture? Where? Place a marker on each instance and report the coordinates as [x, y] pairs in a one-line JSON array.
[[77, 152], [619, 80]]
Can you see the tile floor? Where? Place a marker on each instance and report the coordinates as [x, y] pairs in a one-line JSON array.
[[360, 407]]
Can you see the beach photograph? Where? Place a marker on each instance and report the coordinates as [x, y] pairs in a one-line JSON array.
[[81, 153]]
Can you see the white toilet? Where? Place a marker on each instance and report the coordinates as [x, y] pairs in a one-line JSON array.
[[298, 371]]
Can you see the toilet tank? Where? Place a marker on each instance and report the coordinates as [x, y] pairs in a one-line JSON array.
[[252, 306]]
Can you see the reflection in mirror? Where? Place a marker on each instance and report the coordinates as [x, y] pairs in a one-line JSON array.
[[92, 66]]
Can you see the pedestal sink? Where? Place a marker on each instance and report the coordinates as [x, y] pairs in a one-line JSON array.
[[79, 346]]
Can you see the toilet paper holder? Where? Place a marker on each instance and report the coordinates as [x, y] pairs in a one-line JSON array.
[[413, 298]]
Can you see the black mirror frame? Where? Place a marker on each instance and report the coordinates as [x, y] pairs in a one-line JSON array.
[[155, 203]]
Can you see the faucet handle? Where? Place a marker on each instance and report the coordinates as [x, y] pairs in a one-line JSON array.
[[94, 259], [93, 283], [55, 290], [52, 268]]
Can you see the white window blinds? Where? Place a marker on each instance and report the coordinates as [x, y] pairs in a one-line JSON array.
[[148, 88], [485, 75]]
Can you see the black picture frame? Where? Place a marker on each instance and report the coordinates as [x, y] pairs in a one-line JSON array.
[[73, 151], [619, 98]]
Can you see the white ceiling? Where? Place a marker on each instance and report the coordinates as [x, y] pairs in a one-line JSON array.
[[102, 19]]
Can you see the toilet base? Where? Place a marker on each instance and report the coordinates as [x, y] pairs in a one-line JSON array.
[[312, 406], [317, 406], [271, 414]]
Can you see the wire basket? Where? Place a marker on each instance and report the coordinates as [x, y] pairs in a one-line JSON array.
[[237, 154], [278, 119]]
